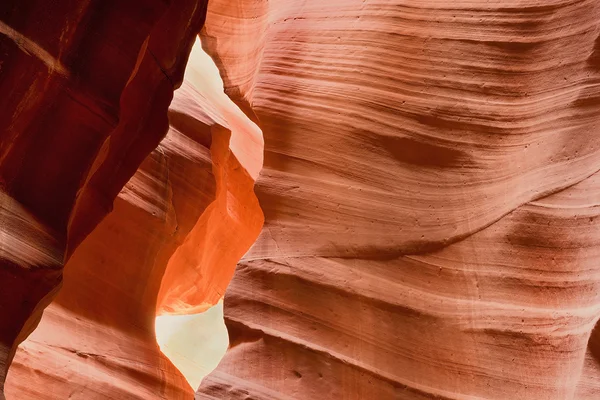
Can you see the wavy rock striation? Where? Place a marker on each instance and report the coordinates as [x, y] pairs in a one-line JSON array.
[[431, 202], [431, 198], [522, 292]]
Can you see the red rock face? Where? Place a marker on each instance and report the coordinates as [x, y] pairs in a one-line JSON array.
[[99, 332], [190, 206], [86, 86], [430, 196], [430, 190]]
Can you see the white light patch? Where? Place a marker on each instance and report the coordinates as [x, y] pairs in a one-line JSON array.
[[194, 343]]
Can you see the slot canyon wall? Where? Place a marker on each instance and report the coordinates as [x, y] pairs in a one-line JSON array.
[[425, 223], [85, 90], [431, 197]]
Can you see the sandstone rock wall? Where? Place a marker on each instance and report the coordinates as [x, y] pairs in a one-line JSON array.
[[430, 193], [85, 90], [165, 253]]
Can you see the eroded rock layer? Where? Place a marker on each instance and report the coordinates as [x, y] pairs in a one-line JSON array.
[[430, 192], [410, 125], [430, 197], [85, 90], [145, 273], [522, 292], [99, 332]]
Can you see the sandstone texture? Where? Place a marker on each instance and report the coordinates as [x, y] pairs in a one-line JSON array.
[[139, 282], [85, 91], [385, 199], [431, 199]]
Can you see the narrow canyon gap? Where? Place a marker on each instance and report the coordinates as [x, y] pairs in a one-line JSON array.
[[157, 262]]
